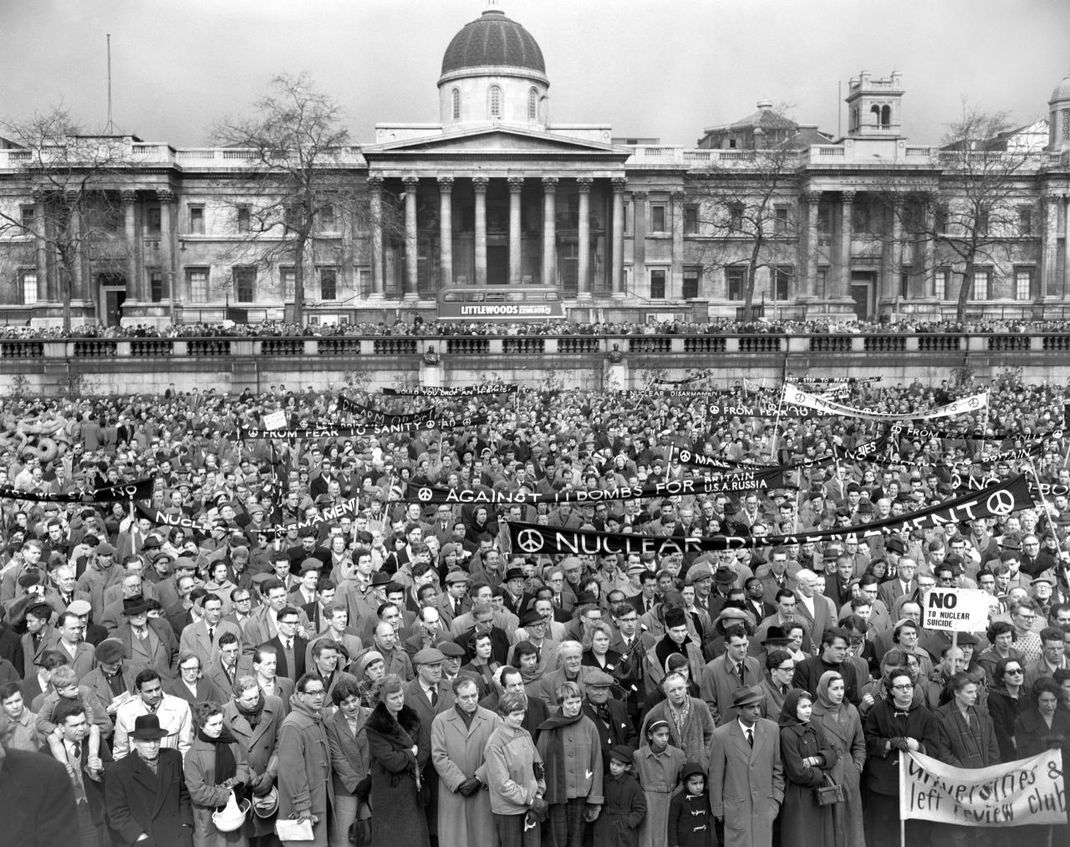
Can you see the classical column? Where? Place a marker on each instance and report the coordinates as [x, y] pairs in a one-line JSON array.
[[847, 199], [639, 225], [583, 270], [549, 229], [166, 199], [809, 274], [617, 265], [1049, 246], [676, 276], [411, 245], [76, 271], [897, 250], [46, 285], [928, 279], [445, 230], [375, 188], [1066, 241], [134, 284], [479, 184], [516, 185]]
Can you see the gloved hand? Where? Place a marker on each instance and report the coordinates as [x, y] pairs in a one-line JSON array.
[[591, 812], [469, 787]]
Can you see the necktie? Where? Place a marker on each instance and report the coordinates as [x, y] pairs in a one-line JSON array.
[[434, 698], [76, 771], [739, 670], [750, 737], [211, 635]]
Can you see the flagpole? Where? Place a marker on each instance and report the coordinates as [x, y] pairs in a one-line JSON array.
[[1044, 500], [776, 425]]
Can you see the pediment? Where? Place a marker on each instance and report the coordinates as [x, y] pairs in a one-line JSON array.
[[495, 141]]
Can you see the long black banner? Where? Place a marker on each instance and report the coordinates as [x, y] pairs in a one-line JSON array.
[[380, 418], [203, 528], [138, 490], [996, 500], [736, 481], [860, 453], [453, 391], [362, 430]]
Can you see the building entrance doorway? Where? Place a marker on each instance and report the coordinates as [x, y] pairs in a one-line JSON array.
[[497, 264], [862, 287], [112, 289]]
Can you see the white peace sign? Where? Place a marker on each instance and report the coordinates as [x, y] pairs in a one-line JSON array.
[[1001, 502], [529, 540]]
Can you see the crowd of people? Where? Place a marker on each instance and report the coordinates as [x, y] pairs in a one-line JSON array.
[[286, 637], [419, 327]]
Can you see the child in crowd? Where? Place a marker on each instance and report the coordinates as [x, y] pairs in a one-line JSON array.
[[625, 805], [690, 824], [657, 767]]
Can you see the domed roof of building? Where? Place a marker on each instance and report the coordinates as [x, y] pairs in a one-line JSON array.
[[493, 40], [1062, 90]]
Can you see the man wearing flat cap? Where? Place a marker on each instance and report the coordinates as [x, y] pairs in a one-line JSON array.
[[745, 764], [608, 713], [428, 697], [110, 680]]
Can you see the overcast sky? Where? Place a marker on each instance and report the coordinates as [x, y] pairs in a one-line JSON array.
[[661, 68]]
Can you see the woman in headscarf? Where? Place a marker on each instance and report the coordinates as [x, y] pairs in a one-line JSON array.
[[842, 727], [215, 768], [807, 759]]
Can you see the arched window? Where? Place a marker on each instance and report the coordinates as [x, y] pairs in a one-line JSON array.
[[494, 105], [886, 116], [876, 112], [533, 104], [456, 95]]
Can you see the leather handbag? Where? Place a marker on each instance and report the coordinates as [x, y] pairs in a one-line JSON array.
[[829, 794]]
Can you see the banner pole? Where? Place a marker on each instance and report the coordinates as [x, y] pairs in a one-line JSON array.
[[903, 832], [776, 426], [1044, 500]]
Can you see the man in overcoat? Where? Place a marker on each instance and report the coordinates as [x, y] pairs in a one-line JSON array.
[[458, 737], [146, 793], [746, 782], [306, 790]]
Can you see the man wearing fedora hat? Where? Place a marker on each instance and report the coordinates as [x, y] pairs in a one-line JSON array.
[[147, 642], [146, 793], [745, 764]]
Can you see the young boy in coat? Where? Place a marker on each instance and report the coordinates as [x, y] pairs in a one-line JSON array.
[[625, 803], [690, 824]]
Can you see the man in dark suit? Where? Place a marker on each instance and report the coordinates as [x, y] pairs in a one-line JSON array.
[[84, 771], [427, 696], [289, 647], [512, 682], [146, 793]]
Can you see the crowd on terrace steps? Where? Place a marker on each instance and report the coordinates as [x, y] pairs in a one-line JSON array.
[[399, 673]]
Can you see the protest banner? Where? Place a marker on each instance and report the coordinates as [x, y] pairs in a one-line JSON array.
[[957, 609], [453, 391], [1026, 791], [275, 420], [533, 539], [140, 489], [793, 396]]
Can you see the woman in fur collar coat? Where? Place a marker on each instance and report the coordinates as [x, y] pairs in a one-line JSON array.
[[396, 763]]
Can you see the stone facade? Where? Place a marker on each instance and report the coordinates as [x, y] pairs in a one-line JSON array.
[[496, 194]]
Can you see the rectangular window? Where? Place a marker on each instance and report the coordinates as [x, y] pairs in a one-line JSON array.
[[28, 218], [691, 278], [328, 219], [780, 220], [364, 281], [1025, 220], [156, 286], [288, 279], [627, 213], [328, 283], [197, 282], [982, 280], [244, 219], [940, 284], [735, 217], [860, 218], [735, 279], [940, 219], [691, 219], [1023, 283], [982, 222], [657, 284], [783, 275], [823, 282], [28, 287], [824, 219], [658, 218], [152, 220], [196, 220], [904, 283], [245, 283]]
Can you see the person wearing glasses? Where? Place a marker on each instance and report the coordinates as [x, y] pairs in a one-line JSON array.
[[1006, 701], [895, 723], [304, 782]]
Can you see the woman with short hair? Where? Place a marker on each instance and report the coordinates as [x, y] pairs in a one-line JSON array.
[[514, 776], [216, 769]]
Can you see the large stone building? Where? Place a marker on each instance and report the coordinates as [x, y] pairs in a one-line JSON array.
[[495, 194]]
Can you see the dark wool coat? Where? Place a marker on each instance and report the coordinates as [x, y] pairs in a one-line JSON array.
[[622, 812], [809, 824], [157, 804], [397, 816], [883, 724], [260, 750], [690, 822], [36, 801]]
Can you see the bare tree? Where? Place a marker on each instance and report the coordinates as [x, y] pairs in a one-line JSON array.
[[75, 181], [748, 206], [972, 217], [298, 147]]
